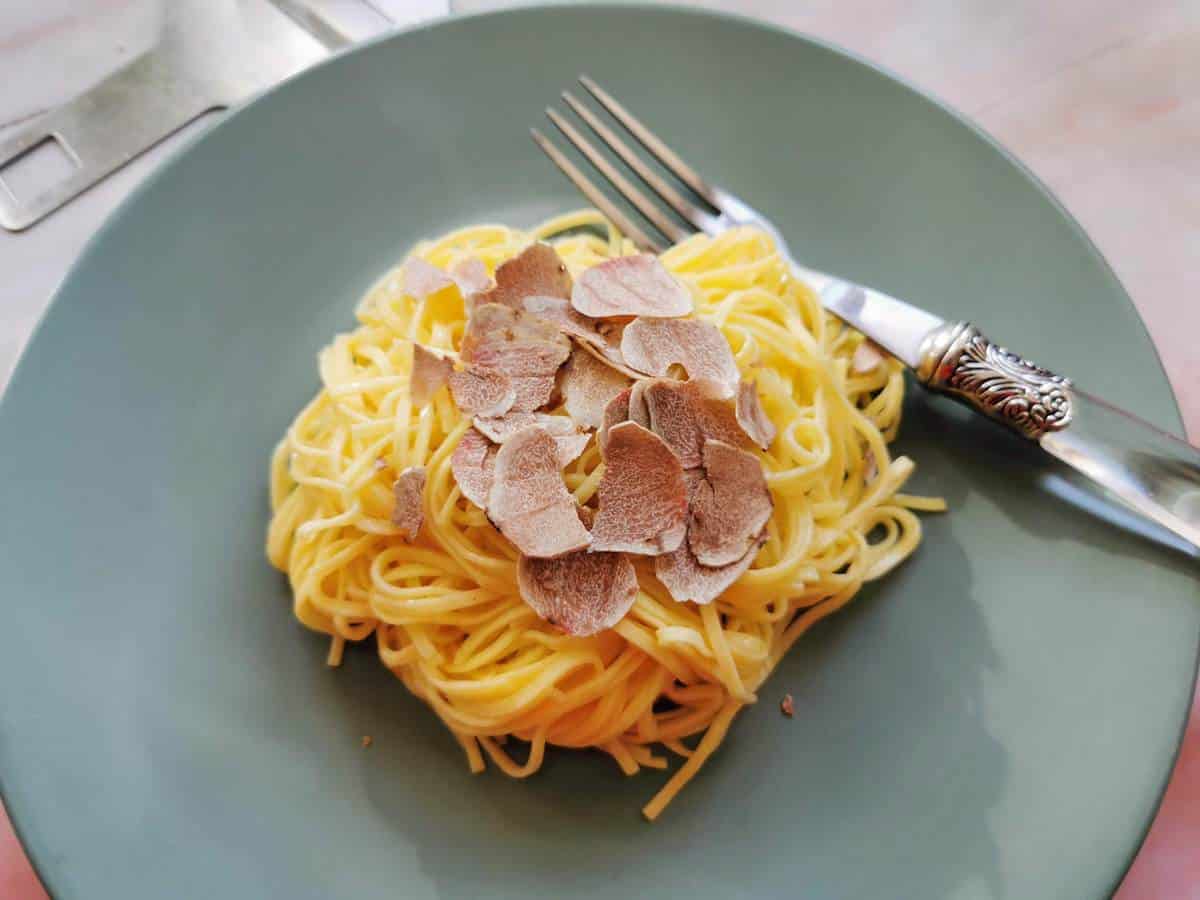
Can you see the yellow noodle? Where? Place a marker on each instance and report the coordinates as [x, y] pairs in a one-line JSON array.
[[445, 611]]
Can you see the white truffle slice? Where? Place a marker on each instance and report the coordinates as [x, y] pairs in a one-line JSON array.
[[535, 270], [409, 511], [643, 499], [526, 349], [422, 278], [473, 465], [430, 370], [571, 442], [616, 412], [471, 276], [867, 356], [653, 346], [685, 414], [752, 417], [588, 386], [689, 581], [529, 501], [582, 593], [630, 286], [730, 507], [480, 391], [501, 428]]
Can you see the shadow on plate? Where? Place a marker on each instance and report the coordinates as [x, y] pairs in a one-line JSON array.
[[889, 714]]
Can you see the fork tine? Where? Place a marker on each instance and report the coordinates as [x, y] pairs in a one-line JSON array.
[[614, 214], [690, 211], [652, 211], [651, 142]]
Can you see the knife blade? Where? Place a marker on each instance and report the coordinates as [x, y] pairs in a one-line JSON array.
[[1153, 472], [899, 327]]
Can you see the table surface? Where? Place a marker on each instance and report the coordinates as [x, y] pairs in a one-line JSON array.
[[1100, 98]]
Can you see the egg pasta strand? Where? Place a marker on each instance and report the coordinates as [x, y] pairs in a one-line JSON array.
[[444, 610]]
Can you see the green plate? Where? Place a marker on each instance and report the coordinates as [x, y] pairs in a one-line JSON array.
[[996, 719]]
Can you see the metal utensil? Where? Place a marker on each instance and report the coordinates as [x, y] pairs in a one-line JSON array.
[[1153, 472], [206, 59], [342, 23]]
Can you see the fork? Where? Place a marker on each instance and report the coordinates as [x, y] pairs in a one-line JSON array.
[[1153, 472], [727, 209]]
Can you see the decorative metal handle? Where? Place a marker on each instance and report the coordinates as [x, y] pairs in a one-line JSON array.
[[1153, 472], [958, 360]]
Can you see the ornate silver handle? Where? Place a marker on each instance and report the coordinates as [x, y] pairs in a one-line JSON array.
[[958, 360], [1153, 472]]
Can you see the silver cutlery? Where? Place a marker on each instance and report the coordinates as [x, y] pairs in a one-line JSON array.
[[1153, 472], [206, 58]]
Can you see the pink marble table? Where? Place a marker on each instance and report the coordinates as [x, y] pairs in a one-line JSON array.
[[1101, 98]]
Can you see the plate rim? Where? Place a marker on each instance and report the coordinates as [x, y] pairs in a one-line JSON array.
[[36, 855]]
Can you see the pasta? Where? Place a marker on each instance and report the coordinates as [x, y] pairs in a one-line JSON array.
[[444, 610]]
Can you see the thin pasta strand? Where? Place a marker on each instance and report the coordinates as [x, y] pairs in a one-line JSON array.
[[445, 611]]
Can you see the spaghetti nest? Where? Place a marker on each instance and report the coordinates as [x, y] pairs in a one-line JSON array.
[[445, 611]]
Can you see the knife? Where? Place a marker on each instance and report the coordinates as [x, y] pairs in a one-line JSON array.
[[1153, 472]]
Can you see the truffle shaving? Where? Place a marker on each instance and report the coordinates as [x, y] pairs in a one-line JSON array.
[[616, 412], [409, 511], [533, 391], [600, 339], [729, 508], [687, 413], [571, 442], [867, 356], [430, 370], [471, 276], [587, 516], [689, 581], [492, 324], [752, 417], [480, 391], [569, 322], [588, 386], [501, 428], [525, 348], [610, 355], [571, 447], [638, 411], [529, 501], [535, 270], [422, 279], [473, 465], [643, 499], [692, 478], [653, 346], [582, 593], [630, 286]]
